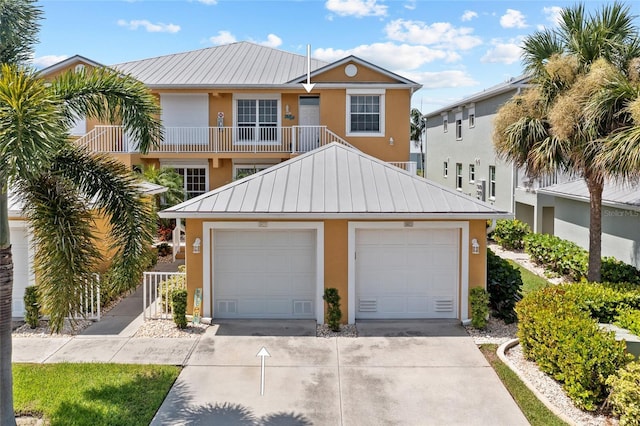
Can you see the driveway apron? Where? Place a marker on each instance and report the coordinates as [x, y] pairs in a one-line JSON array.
[[440, 378]]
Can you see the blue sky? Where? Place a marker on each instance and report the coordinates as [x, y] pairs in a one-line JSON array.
[[454, 48]]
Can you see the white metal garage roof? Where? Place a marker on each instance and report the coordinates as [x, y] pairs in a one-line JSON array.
[[334, 181]]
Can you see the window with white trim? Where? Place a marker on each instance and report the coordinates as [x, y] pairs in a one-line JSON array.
[[459, 176], [194, 179], [445, 122], [257, 120], [492, 182], [365, 112], [472, 116], [472, 173], [445, 169], [243, 170]]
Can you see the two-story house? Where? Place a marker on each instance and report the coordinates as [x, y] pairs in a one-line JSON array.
[[460, 155]]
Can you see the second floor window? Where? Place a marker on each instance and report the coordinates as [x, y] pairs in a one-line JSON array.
[[472, 173], [260, 114], [492, 182], [459, 176], [459, 129], [365, 112]]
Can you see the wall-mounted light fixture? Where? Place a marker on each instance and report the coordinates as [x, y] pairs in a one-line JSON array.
[[391, 141], [475, 247], [196, 246]]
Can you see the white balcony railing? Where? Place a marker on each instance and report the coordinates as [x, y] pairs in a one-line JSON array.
[[294, 139], [409, 166], [532, 184]]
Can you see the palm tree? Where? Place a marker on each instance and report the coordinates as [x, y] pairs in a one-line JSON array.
[[418, 125], [170, 179], [564, 122], [62, 184]]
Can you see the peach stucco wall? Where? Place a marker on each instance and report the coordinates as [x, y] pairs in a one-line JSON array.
[[335, 258]]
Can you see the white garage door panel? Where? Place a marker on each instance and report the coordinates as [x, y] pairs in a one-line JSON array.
[[21, 274], [407, 273], [264, 273]]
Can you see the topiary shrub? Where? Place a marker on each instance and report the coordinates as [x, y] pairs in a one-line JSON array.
[[479, 299], [509, 233], [334, 314], [624, 398], [179, 307], [31, 306], [504, 285], [560, 336]]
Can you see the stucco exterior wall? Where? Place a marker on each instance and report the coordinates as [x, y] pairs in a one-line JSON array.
[[620, 229]]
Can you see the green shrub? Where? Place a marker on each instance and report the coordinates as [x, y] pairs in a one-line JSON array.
[[479, 307], [164, 249], [560, 336], [629, 319], [334, 314], [603, 301], [32, 306], [179, 306], [616, 271], [504, 285], [174, 282], [560, 256], [625, 394], [509, 233]]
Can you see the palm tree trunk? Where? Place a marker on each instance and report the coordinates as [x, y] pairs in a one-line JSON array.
[[595, 185], [6, 288]]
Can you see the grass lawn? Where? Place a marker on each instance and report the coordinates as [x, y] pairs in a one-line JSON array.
[[530, 281], [91, 394], [534, 410]]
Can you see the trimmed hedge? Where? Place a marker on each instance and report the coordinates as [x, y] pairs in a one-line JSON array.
[[558, 334], [509, 233], [504, 285], [479, 299], [625, 394], [179, 306], [629, 319], [604, 301]]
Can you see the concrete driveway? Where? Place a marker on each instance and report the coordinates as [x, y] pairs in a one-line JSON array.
[[435, 376]]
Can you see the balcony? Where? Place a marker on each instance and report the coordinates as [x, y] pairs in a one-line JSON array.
[[289, 140]]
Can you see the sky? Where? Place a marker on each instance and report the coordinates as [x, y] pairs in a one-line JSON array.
[[453, 48]]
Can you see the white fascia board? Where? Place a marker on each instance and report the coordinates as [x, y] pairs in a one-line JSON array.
[[346, 216], [617, 205], [209, 87]]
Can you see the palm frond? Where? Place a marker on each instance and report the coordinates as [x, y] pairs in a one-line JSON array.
[[620, 155], [114, 192], [19, 27], [114, 98]]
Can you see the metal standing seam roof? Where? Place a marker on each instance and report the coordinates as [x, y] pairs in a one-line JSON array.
[[333, 181], [241, 63], [615, 194]]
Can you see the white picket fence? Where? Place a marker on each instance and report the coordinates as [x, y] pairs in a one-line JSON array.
[[90, 301], [156, 293]]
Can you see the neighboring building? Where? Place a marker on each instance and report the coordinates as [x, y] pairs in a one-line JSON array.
[[460, 155], [236, 109], [395, 245], [620, 217]]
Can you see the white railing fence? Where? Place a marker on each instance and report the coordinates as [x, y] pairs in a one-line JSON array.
[[90, 307], [409, 166], [156, 293]]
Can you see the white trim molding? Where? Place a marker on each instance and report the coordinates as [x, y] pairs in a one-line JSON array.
[[382, 113], [463, 282], [208, 275]]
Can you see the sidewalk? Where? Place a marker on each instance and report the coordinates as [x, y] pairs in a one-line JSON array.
[[110, 339]]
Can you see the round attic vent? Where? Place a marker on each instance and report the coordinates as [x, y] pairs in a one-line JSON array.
[[351, 70]]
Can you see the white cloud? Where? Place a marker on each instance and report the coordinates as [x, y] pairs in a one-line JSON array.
[[468, 15], [391, 56], [223, 37], [47, 60], [411, 5], [149, 26], [442, 79], [271, 41], [513, 19], [357, 8], [440, 34], [501, 52], [552, 14], [209, 2]]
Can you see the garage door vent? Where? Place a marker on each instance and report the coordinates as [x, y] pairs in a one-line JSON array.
[[368, 305], [227, 307], [444, 305], [302, 307]]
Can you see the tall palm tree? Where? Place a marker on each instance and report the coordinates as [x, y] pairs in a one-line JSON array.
[[418, 125], [170, 179], [560, 124], [62, 184]]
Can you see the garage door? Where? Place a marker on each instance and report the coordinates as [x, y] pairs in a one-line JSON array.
[[21, 276], [407, 273], [264, 273]]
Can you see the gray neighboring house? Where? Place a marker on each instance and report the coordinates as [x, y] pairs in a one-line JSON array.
[[460, 155], [620, 217]]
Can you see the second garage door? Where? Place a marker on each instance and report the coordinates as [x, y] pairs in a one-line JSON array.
[[407, 273], [264, 273]]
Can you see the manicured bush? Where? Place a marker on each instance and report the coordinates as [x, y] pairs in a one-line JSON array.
[[479, 307], [175, 282], [179, 307], [616, 271], [31, 306], [603, 301], [624, 398], [334, 314], [561, 337], [560, 256], [629, 319], [509, 233], [504, 285]]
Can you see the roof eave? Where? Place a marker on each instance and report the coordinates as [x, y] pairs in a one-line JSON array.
[[608, 203], [350, 216]]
